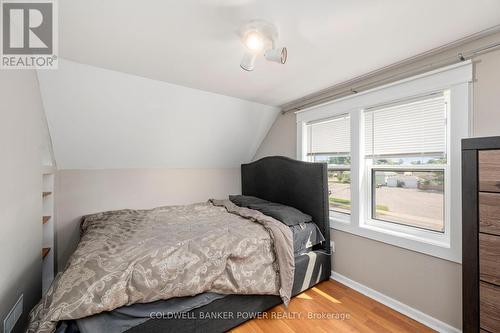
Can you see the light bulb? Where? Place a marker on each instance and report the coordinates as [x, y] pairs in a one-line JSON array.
[[253, 41]]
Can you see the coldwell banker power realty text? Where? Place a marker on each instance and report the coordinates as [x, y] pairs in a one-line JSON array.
[[29, 34]]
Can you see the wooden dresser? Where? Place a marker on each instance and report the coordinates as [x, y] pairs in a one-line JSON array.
[[481, 234]]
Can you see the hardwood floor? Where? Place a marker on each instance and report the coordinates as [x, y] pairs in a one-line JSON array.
[[337, 309]]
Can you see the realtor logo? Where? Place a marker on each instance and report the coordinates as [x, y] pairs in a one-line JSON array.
[[29, 31]]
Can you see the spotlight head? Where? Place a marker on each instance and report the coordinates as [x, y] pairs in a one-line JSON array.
[[248, 61], [277, 55]]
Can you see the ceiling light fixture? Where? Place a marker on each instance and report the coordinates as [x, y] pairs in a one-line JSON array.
[[260, 38]]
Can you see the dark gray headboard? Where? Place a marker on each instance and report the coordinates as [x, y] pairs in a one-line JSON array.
[[298, 184]]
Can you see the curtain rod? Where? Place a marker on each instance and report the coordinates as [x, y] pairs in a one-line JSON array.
[[350, 87]]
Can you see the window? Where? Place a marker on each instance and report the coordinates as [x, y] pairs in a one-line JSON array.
[[413, 198], [329, 141], [405, 154], [394, 159]]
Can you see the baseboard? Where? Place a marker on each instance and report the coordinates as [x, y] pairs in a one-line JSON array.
[[419, 316]]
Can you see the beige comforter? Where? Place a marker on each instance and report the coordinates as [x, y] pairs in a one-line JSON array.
[[140, 256]]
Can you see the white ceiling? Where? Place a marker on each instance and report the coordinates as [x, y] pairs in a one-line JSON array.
[[194, 43], [103, 119]]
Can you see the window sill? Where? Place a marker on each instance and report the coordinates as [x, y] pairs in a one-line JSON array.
[[339, 218], [409, 233], [437, 247]]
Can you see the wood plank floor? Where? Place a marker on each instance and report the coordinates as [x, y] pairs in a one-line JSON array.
[[337, 309]]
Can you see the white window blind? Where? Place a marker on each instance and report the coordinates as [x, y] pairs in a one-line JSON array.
[[416, 128], [330, 137]]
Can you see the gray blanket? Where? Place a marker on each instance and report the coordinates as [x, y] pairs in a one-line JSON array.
[[141, 256]]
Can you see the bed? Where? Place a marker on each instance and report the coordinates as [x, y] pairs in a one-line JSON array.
[[298, 184], [282, 180]]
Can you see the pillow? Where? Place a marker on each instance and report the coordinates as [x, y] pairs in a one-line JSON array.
[[245, 200], [286, 214]]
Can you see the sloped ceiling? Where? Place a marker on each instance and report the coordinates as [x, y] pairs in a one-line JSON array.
[[157, 83], [194, 42], [102, 119]]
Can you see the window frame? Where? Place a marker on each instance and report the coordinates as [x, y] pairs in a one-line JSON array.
[[419, 234], [458, 80], [337, 215]]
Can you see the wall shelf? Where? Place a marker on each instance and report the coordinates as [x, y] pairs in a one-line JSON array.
[[48, 171], [48, 227]]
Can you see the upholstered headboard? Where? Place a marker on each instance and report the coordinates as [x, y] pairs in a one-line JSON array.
[[298, 184]]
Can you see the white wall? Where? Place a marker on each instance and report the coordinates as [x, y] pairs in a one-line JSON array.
[[429, 284], [81, 192], [20, 197], [102, 119], [123, 141]]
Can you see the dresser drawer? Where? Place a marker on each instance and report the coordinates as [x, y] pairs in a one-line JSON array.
[[489, 213], [489, 170], [489, 306], [489, 258]]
